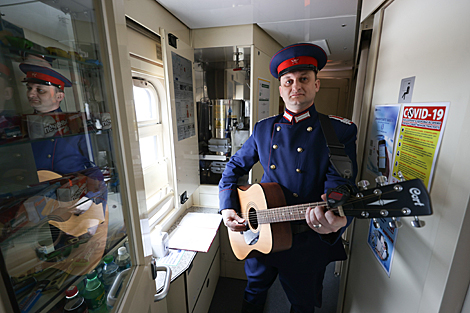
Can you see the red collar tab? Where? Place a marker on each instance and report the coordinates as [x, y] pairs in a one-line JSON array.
[[297, 118], [302, 60], [288, 116]]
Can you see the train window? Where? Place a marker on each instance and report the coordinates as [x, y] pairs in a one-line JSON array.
[[145, 94], [155, 164]]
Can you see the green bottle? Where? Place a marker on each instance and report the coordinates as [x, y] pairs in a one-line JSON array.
[[94, 294]]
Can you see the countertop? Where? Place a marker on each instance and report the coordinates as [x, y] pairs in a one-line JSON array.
[[188, 256]]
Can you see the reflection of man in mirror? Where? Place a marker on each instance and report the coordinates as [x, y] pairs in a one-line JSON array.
[[45, 91], [59, 154]]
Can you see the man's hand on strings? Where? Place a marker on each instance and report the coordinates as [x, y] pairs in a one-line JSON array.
[[233, 221], [324, 221]]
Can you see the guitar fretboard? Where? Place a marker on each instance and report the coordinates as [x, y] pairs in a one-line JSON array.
[[284, 214]]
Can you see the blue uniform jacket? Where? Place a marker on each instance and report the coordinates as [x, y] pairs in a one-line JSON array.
[[69, 154], [62, 155], [293, 153]]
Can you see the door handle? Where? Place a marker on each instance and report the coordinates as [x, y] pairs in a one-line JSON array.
[[111, 299], [166, 285]]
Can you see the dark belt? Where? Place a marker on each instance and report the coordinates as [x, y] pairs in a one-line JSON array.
[[299, 228]]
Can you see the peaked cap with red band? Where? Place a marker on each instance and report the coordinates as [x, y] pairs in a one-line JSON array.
[[44, 76], [299, 56]]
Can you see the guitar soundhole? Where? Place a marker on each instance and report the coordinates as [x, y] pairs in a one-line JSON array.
[[250, 236], [253, 218]]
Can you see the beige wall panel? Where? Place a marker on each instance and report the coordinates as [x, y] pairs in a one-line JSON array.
[[260, 69], [141, 45], [429, 273], [264, 42], [222, 36], [332, 97], [153, 16]]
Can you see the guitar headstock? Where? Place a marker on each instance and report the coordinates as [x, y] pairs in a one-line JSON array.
[[406, 198]]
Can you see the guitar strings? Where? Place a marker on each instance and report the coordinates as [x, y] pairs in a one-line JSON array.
[[275, 212], [298, 208]]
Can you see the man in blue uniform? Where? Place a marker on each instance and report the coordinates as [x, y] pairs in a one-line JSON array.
[[292, 149], [61, 155], [45, 91]]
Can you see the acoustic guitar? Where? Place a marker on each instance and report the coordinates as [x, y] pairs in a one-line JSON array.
[[263, 206]]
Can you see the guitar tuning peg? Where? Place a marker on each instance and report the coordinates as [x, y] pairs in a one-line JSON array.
[[394, 223], [400, 176], [375, 223], [417, 223], [363, 184], [381, 180]]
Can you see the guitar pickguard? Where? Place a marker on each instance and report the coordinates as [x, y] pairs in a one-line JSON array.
[[250, 237]]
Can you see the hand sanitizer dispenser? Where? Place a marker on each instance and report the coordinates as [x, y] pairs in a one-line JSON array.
[[159, 242]]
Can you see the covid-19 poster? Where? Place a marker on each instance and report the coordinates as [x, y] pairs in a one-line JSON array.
[[419, 136]]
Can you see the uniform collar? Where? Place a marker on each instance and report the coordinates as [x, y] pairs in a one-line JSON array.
[[298, 117], [58, 110]]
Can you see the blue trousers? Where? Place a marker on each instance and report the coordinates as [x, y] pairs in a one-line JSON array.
[[301, 270]]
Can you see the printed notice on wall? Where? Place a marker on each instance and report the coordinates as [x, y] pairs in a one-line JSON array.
[[184, 103], [382, 240], [380, 153], [263, 98], [382, 139], [418, 141]]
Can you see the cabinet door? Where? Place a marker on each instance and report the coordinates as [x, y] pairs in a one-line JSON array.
[[196, 276], [176, 299], [208, 288]]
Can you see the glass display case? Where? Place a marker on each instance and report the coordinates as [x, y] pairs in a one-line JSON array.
[[60, 199]]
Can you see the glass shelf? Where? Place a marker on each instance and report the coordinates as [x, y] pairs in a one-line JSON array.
[[20, 55], [19, 141]]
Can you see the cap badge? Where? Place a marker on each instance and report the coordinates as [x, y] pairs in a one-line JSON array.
[[34, 74], [295, 61]]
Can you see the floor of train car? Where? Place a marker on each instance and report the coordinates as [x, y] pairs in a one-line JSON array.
[[228, 296]]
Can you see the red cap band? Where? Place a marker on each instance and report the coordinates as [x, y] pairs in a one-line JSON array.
[[46, 78], [296, 61]]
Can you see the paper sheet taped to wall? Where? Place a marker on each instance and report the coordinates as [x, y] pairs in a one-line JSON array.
[[195, 232]]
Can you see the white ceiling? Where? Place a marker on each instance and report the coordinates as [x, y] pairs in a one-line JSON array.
[[287, 21]]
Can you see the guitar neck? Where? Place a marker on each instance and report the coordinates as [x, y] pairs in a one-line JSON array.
[[407, 198], [285, 214]]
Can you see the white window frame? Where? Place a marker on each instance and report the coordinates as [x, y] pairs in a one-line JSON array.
[[161, 201]]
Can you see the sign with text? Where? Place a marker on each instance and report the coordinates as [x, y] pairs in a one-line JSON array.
[[381, 241], [418, 140], [382, 139]]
